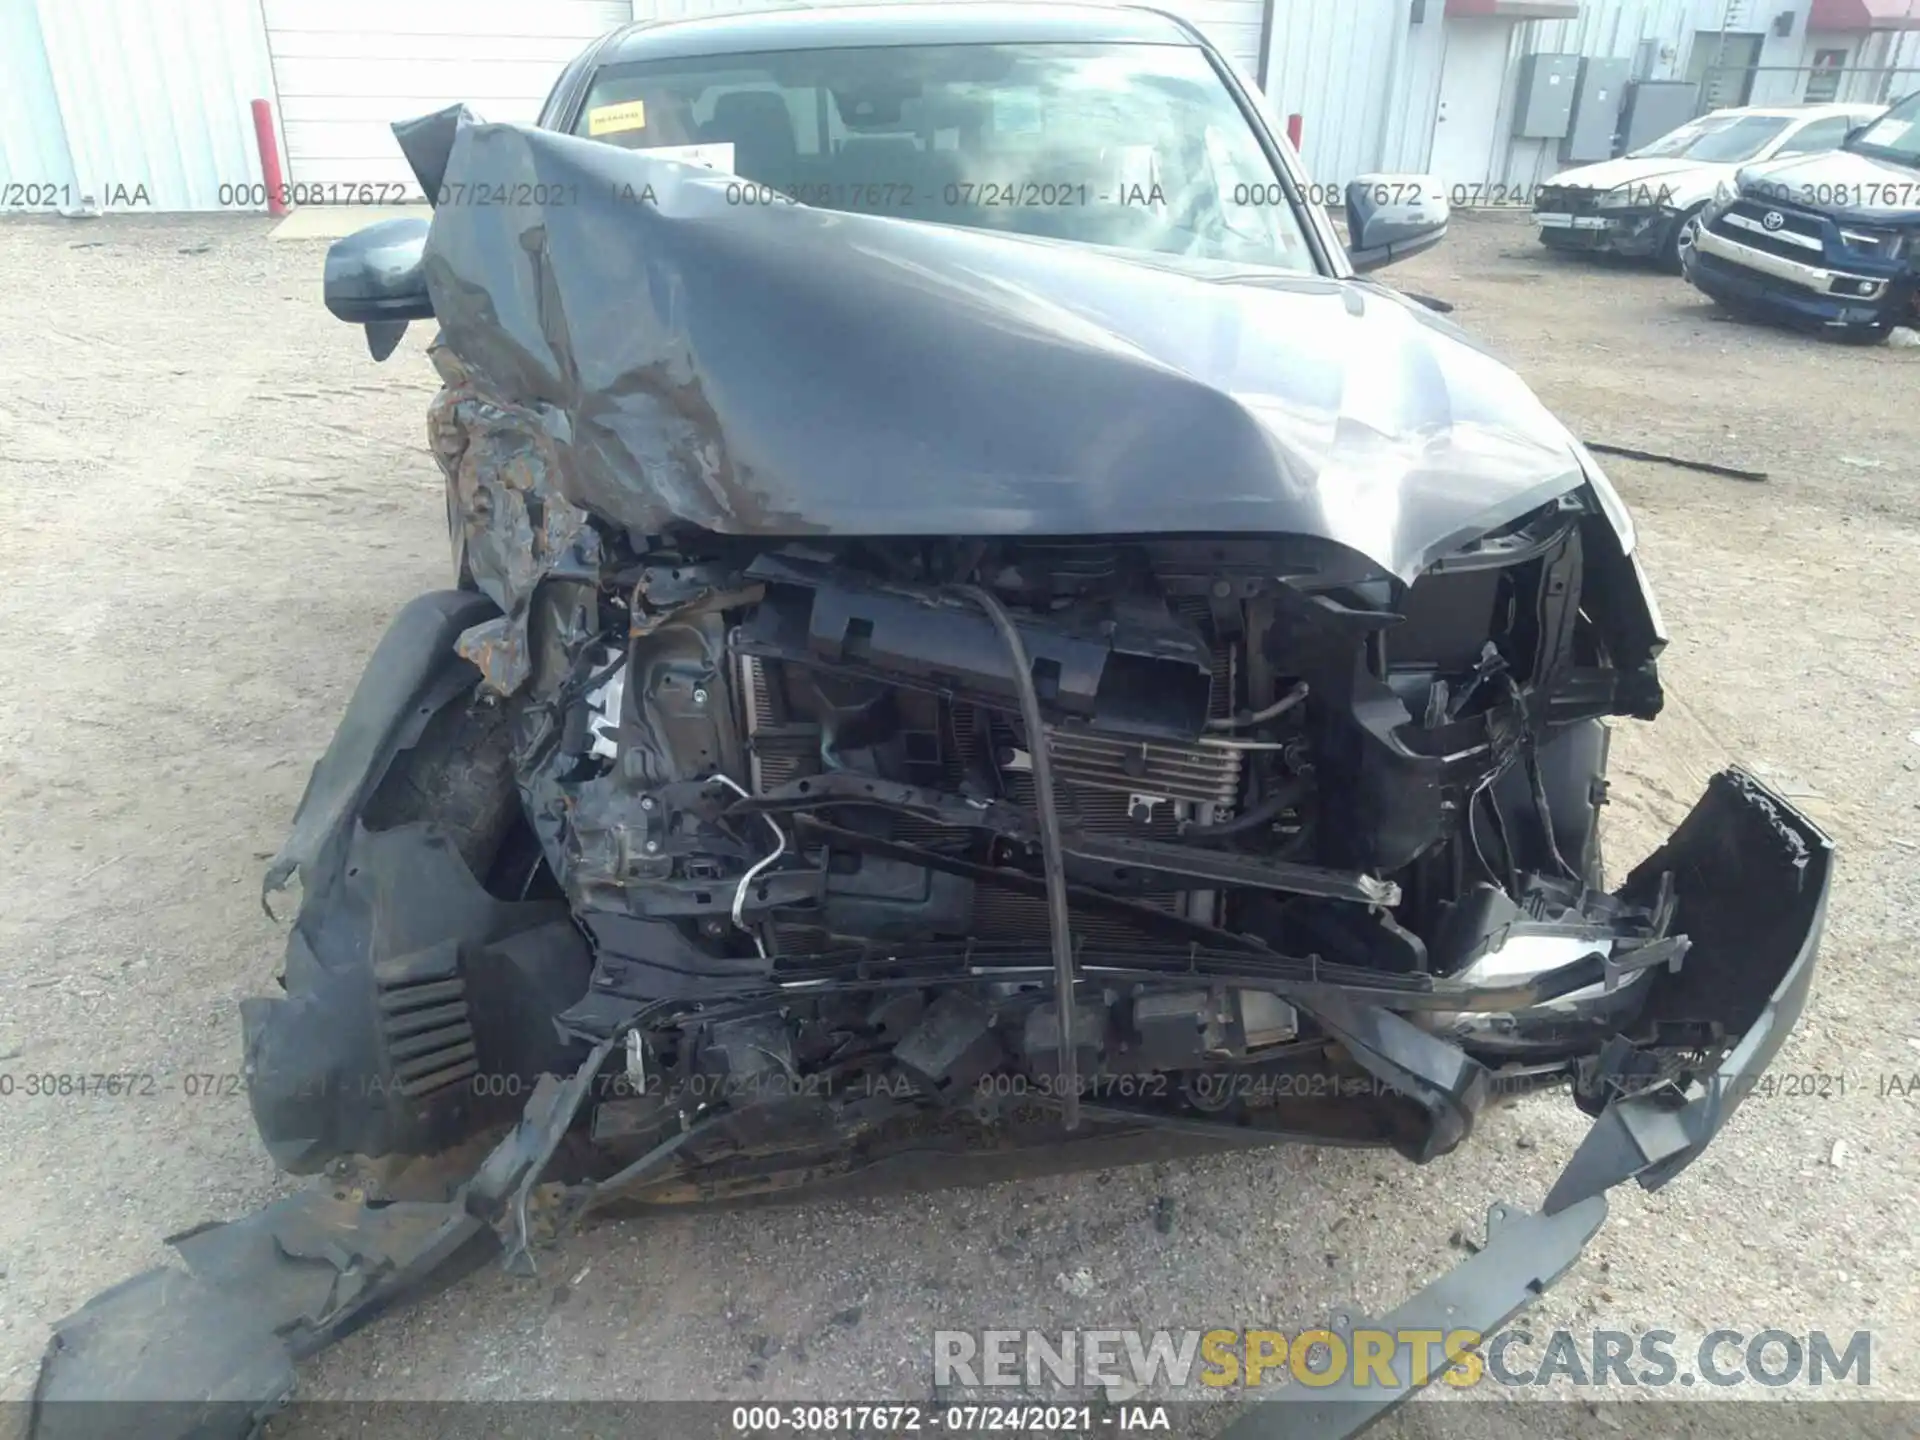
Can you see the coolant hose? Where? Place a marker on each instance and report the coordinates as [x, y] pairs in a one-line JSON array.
[[1059, 923]]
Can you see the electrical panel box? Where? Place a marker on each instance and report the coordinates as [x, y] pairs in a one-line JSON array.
[[1597, 97], [1653, 108], [1543, 105]]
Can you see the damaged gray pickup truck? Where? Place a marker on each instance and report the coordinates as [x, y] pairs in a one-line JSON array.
[[979, 643]]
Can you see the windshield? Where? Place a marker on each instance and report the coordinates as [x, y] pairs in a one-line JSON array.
[[1137, 146], [1717, 139], [1895, 135]]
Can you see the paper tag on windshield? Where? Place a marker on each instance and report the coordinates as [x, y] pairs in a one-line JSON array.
[[714, 155], [611, 119], [1888, 132]]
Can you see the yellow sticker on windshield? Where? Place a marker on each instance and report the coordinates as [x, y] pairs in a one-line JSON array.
[[609, 119]]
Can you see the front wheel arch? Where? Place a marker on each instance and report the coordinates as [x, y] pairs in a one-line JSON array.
[[457, 776]]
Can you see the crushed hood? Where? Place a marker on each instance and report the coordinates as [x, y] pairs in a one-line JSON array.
[[1682, 178], [782, 370]]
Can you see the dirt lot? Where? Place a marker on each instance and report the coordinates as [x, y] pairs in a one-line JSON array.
[[210, 504]]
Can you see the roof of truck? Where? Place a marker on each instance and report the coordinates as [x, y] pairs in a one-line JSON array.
[[807, 27]]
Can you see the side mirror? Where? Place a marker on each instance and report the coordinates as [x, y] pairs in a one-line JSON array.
[[1390, 217], [375, 278]]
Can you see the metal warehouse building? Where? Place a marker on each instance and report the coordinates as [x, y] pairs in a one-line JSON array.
[[146, 104]]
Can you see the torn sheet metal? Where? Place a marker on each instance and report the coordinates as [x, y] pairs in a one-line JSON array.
[[509, 523], [643, 349]]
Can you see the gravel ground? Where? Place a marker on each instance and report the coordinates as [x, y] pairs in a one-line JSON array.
[[210, 504]]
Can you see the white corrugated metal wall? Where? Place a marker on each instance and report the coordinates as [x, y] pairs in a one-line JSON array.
[[1616, 28], [1363, 78], [36, 171], [144, 102], [1232, 25], [119, 99], [1613, 28], [137, 104], [347, 69], [1902, 53], [1885, 65], [1365, 75]]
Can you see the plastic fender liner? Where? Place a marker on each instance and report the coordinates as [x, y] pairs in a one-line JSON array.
[[1751, 875], [410, 675], [207, 1353], [397, 972]]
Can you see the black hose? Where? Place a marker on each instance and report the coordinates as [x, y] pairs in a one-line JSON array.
[[1545, 811], [1507, 852], [1284, 798], [1537, 784], [1279, 707], [1052, 858]]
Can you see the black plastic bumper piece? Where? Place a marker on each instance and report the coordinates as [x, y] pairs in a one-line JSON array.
[[1751, 875], [207, 1353], [1524, 1254], [410, 675], [399, 959]]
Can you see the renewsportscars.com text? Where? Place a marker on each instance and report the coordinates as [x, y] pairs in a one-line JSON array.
[[1218, 1358]]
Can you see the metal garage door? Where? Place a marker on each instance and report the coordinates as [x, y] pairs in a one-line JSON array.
[[347, 69]]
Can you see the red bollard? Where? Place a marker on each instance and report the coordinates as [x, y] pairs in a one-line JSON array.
[[269, 158], [1293, 131]]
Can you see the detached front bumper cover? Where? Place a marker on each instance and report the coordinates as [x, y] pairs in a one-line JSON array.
[[1752, 876], [207, 1353]]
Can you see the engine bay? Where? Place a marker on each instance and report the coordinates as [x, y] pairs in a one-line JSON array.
[[791, 788], [1207, 714]]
